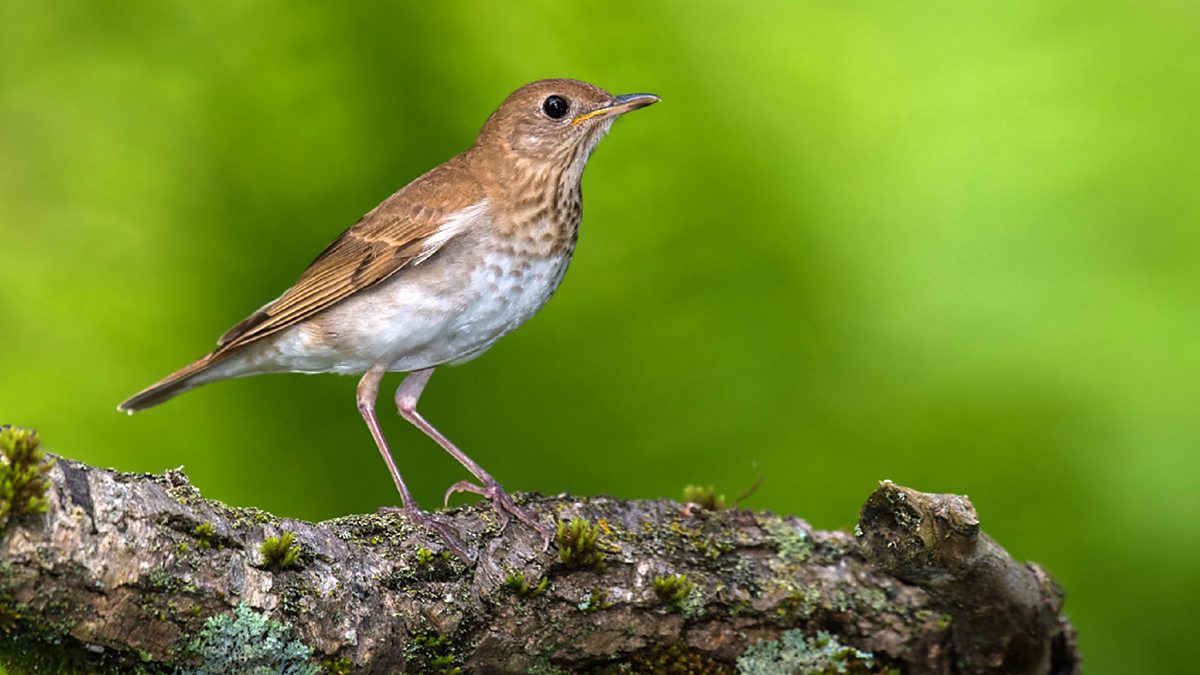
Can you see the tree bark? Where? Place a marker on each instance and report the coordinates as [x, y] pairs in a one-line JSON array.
[[129, 571]]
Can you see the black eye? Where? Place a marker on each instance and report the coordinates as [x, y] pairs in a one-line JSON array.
[[555, 107]]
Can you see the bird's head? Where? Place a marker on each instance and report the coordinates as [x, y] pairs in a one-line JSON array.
[[554, 123]]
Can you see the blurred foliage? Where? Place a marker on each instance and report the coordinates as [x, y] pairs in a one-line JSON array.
[[950, 244]]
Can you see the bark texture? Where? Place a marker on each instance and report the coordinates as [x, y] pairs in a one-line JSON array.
[[130, 572]]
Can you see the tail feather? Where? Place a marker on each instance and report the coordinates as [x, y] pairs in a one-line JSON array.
[[170, 386]]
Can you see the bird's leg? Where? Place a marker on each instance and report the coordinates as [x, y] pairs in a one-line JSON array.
[[368, 391], [406, 402]]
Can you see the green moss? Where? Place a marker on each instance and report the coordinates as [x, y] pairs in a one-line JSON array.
[[333, 666], [424, 556], [704, 495], [245, 641], [673, 590], [279, 553], [795, 652], [578, 544], [431, 653], [519, 585], [595, 601], [23, 469], [204, 534]]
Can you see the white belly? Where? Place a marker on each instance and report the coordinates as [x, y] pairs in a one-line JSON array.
[[441, 311]]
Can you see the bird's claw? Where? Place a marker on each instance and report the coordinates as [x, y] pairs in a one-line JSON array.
[[504, 506], [462, 486], [421, 518]]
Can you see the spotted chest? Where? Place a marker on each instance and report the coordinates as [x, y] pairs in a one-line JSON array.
[[508, 285]]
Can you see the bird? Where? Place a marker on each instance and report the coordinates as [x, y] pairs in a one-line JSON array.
[[434, 275]]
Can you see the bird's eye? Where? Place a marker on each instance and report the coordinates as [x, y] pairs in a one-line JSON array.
[[555, 107]]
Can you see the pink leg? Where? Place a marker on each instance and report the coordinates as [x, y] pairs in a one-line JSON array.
[[406, 402], [368, 390]]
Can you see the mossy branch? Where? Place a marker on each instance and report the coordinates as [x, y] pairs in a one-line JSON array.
[[139, 573]]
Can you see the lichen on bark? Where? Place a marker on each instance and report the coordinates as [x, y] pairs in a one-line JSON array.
[[134, 572]]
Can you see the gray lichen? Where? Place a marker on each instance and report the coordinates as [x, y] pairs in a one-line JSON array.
[[245, 641], [795, 652], [791, 540]]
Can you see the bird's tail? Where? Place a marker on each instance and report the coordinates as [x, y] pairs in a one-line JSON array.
[[170, 386]]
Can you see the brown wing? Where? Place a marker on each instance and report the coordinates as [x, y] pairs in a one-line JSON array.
[[406, 228], [403, 229]]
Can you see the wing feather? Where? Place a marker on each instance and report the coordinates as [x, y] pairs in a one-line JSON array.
[[400, 232]]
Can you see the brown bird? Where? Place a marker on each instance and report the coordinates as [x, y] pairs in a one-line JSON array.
[[434, 275]]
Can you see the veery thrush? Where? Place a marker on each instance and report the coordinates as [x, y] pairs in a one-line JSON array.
[[434, 275]]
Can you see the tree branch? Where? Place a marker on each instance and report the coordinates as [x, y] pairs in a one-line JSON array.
[[128, 571]]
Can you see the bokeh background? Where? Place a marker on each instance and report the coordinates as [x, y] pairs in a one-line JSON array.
[[950, 244]]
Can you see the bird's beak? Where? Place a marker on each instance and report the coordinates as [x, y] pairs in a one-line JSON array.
[[619, 106]]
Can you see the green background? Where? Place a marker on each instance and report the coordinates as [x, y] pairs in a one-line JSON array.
[[950, 244]]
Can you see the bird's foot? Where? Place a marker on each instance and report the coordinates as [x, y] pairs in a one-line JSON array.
[[422, 519], [504, 506]]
